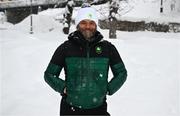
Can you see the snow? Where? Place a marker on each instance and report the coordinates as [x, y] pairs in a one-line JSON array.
[[152, 60], [42, 23], [151, 11], [142, 10], [20, 3]]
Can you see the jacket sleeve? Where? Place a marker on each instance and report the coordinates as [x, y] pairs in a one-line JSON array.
[[51, 75], [118, 69]]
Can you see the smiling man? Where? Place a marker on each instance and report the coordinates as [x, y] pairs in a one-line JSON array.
[[86, 59]]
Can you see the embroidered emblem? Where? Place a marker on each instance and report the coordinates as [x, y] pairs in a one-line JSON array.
[[98, 50], [90, 15]]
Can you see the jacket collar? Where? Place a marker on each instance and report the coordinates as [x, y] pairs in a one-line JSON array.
[[78, 38]]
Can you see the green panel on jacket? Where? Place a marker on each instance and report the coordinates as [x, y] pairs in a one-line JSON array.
[[51, 76], [120, 76], [86, 81]]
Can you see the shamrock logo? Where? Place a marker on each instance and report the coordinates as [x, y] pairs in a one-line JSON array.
[[98, 50]]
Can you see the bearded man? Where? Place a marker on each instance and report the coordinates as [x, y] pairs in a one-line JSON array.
[[86, 59]]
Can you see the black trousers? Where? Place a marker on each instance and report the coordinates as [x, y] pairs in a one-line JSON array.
[[68, 110]]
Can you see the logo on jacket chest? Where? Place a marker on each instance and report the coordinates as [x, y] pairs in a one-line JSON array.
[[98, 49]]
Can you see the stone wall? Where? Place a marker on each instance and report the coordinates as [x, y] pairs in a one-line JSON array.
[[142, 26], [17, 15]]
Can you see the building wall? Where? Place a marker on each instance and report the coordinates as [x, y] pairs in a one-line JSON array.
[[5, 0]]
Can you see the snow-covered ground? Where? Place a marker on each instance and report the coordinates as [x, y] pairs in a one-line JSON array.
[[152, 61], [149, 10]]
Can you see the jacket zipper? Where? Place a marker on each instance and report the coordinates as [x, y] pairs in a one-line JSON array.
[[88, 59], [88, 49]]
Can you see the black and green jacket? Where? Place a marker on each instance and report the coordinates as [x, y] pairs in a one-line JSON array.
[[86, 66]]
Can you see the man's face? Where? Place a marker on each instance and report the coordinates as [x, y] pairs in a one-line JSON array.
[[87, 28]]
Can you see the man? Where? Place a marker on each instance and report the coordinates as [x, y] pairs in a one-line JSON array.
[[86, 58]]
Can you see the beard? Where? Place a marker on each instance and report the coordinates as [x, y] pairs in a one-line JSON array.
[[88, 34]]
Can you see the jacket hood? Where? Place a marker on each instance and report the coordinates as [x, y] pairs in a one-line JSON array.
[[78, 38]]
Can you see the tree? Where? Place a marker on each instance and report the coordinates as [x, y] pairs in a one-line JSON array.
[[113, 10], [68, 16], [117, 8]]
